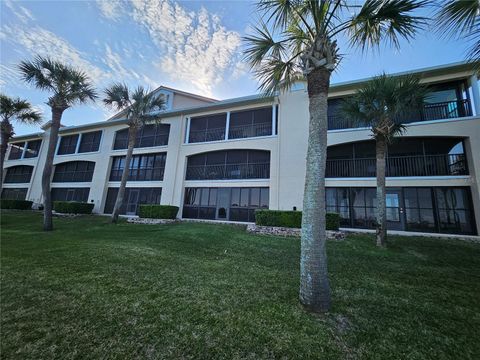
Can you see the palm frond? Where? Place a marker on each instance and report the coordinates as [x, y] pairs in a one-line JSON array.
[[67, 84], [458, 17], [384, 102], [117, 96], [261, 45], [385, 19], [19, 110]]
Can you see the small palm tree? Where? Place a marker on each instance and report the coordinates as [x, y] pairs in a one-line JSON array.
[[297, 39], [20, 111], [461, 19], [67, 87], [139, 107], [381, 104]]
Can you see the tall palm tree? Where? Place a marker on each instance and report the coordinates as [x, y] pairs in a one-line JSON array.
[[139, 107], [382, 104], [299, 39], [18, 110], [67, 87], [461, 19]]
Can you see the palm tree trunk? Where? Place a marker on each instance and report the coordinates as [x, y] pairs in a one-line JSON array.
[[47, 170], [381, 148], [3, 151], [314, 284], [132, 134]]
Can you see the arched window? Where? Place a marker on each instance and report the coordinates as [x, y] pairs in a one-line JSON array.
[[74, 171], [18, 174], [229, 164]]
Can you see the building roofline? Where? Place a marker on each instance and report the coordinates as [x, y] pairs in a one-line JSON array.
[[219, 105], [186, 93], [261, 98], [422, 72]]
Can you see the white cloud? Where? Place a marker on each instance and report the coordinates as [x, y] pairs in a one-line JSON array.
[[111, 9], [196, 48], [22, 13], [38, 41], [8, 75]]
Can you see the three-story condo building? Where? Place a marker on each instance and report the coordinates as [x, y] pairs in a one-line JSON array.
[[221, 160]]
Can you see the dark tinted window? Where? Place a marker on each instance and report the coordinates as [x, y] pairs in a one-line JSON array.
[[213, 203], [90, 141], [68, 144], [207, 128], [146, 167], [74, 171], [14, 194], [133, 198], [229, 164], [70, 194], [33, 147], [18, 174], [148, 136], [16, 151], [250, 123]]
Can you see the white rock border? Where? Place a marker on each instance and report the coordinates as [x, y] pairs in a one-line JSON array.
[[284, 231]]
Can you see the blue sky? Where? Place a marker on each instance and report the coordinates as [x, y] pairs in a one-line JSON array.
[[190, 45]]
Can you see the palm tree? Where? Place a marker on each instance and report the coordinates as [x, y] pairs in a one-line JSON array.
[[297, 39], [68, 86], [139, 107], [461, 19], [381, 104], [21, 111]]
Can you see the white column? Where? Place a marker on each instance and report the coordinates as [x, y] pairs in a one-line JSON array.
[[475, 94], [187, 132], [227, 125], [78, 143], [274, 116], [24, 149]]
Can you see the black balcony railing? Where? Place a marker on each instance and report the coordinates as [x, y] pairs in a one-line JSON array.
[[429, 165], [205, 135], [436, 111], [155, 174], [228, 171], [252, 130]]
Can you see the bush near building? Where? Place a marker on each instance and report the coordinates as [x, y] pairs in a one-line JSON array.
[[16, 204], [72, 207], [291, 219], [158, 211]]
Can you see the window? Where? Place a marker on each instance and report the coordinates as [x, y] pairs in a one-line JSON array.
[[207, 128], [419, 212], [455, 214], [148, 136], [18, 174], [33, 147], [14, 193], [68, 144], [229, 164], [146, 167], [132, 199], [234, 204], [90, 141], [70, 194], [74, 171], [16, 151], [250, 123]]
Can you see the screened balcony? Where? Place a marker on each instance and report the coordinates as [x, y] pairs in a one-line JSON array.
[[445, 101], [229, 165], [406, 157], [232, 125]]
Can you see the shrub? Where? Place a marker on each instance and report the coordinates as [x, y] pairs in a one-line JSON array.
[[291, 219], [16, 204], [72, 207], [158, 211]]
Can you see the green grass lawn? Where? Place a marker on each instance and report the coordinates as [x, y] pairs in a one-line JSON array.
[[200, 291]]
